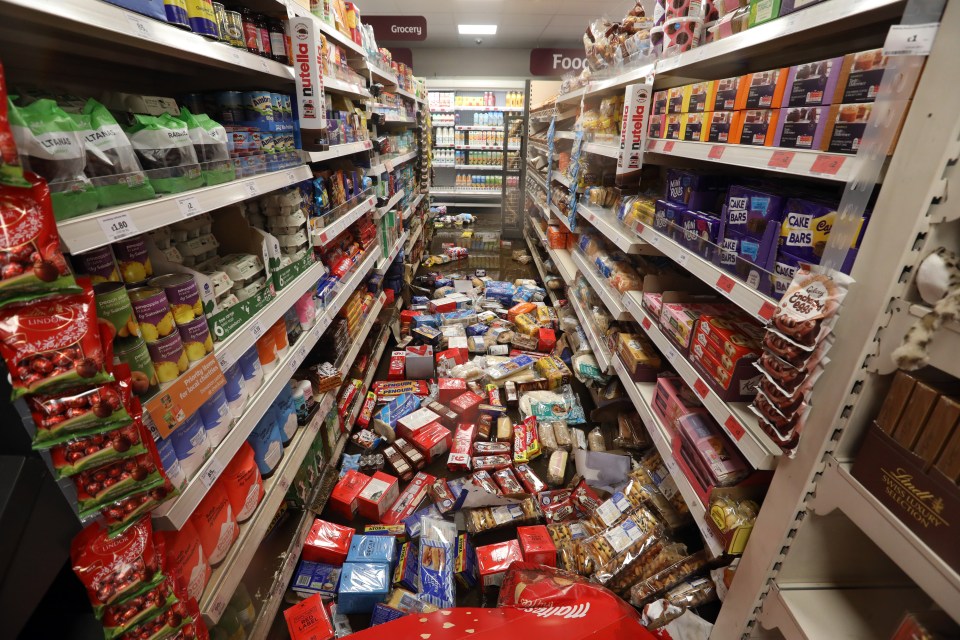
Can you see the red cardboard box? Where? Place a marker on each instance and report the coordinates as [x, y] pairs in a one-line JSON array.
[[467, 406], [413, 422], [343, 500], [450, 388], [378, 496], [409, 501], [419, 363], [459, 458], [398, 366], [327, 542], [493, 561], [537, 545], [432, 440], [456, 355], [308, 620], [546, 340]]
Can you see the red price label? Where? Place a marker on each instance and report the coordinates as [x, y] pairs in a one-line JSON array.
[[734, 428], [725, 283], [766, 311], [828, 165], [652, 145], [646, 324], [781, 159], [668, 147], [639, 228], [700, 388], [716, 152], [323, 238]]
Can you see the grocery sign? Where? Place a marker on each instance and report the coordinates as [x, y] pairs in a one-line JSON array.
[[392, 28], [556, 62]]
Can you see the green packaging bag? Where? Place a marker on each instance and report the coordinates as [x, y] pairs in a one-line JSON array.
[[112, 165], [163, 146], [50, 144], [209, 140]]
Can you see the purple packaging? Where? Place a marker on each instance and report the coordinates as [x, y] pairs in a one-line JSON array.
[[813, 84], [667, 218], [700, 232], [382, 613], [806, 227], [789, 6], [750, 210], [750, 259], [407, 572], [801, 127], [694, 190], [784, 269], [412, 522]]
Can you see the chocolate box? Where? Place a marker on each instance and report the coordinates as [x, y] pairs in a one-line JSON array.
[[700, 233], [806, 228], [860, 77], [316, 577], [419, 362], [655, 126], [639, 356], [734, 383], [668, 218], [678, 320], [671, 126], [698, 97], [750, 259], [365, 548], [432, 440], [309, 620], [694, 190], [758, 128], [719, 124], [764, 90], [362, 585], [459, 458], [412, 422], [675, 100], [763, 11], [751, 211], [801, 127], [536, 545], [693, 127], [784, 268], [725, 93], [673, 398], [720, 336], [813, 84], [922, 498], [714, 457], [410, 499], [327, 542], [343, 500], [450, 388], [467, 406], [493, 560], [377, 496], [659, 103]]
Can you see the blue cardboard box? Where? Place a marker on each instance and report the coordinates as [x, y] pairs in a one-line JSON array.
[[364, 548], [316, 577], [362, 586]]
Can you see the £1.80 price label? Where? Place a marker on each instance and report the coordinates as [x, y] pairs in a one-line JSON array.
[[118, 226]]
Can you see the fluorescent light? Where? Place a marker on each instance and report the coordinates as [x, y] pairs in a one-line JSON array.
[[477, 29]]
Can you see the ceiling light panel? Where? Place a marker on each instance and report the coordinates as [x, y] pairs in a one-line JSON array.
[[477, 29]]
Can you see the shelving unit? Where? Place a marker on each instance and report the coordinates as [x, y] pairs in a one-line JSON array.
[[600, 350]]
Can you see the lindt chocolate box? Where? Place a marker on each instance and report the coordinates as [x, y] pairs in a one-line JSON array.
[[764, 90], [695, 190], [926, 501], [693, 127], [719, 124], [668, 217], [726, 92], [813, 84], [801, 127], [757, 128], [751, 210]]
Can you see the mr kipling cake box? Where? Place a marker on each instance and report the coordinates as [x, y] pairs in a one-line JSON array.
[[757, 128], [719, 124], [725, 93], [693, 127], [846, 126], [698, 97], [813, 84], [672, 126], [860, 77]]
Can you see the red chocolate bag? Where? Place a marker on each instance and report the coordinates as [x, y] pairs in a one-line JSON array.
[[31, 262], [87, 452], [184, 559], [115, 569], [102, 485], [53, 344], [179, 617], [76, 413]]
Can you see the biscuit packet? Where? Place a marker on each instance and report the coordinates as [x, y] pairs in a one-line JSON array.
[[616, 548], [667, 578], [484, 519], [658, 558]]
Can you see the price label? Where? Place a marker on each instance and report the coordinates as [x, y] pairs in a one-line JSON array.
[[252, 190], [701, 388], [640, 228], [766, 310], [139, 26], [682, 259], [827, 165], [189, 206], [323, 239], [290, 12], [210, 474], [225, 360], [910, 39], [235, 56], [716, 152], [646, 324], [725, 283], [781, 159], [734, 428], [219, 605], [652, 145], [291, 177], [263, 66], [118, 226], [256, 329], [367, 144], [655, 239], [668, 146], [672, 354]]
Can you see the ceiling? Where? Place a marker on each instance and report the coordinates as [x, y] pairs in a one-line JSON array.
[[521, 24]]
